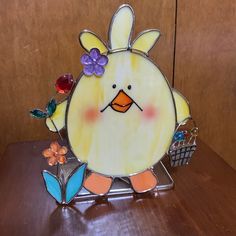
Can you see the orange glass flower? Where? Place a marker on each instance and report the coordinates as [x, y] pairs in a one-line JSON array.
[[55, 154]]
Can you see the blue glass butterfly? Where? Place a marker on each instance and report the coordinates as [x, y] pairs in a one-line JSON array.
[[64, 194]]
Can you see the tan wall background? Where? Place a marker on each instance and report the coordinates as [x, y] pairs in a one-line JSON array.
[[206, 69], [39, 43]]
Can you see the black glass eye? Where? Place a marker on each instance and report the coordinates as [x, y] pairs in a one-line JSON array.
[[114, 86], [129, 87]]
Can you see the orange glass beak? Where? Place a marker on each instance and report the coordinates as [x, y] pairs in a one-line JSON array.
[[122, 102]]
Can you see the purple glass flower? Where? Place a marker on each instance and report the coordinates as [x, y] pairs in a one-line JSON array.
[[94, 62]]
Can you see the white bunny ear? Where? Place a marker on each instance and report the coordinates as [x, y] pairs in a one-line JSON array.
[[121, 28], [146, 40], [89, 40]]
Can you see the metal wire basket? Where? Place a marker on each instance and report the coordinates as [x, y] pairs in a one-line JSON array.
[[183, 147]]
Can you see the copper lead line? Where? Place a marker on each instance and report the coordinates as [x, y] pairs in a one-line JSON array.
[[56, 128]]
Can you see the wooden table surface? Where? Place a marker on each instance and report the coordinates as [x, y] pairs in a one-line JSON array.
[[203, 201]]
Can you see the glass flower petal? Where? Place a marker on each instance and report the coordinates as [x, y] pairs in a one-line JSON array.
[[86, 59], [103, 60], [94, 54], [98, 70], [88, 69]]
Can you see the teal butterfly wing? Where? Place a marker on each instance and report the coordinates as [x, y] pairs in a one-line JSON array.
[[53, 185], [36, 113], [51, 107], [75, 183]]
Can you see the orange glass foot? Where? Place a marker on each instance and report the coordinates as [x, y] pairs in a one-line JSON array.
[[98, 184], [144, 181]]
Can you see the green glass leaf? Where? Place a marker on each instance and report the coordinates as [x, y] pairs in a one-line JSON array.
[[36, 113], [51, 107]]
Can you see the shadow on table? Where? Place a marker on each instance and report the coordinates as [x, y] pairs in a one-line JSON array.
[[75, 218], [64, 220]]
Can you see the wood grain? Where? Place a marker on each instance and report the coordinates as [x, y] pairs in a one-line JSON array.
[[202, 203], [206, 69], [39, 43]]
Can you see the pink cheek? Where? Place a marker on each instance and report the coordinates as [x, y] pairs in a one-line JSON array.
[[150, 112], [91, 115]]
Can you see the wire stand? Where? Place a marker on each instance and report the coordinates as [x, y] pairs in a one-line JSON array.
[[121, 186]]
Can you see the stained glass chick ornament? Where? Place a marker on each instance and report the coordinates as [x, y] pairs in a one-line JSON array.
[[122, 113]]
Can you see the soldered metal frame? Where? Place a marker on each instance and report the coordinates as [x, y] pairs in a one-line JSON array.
[[121, 186]]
